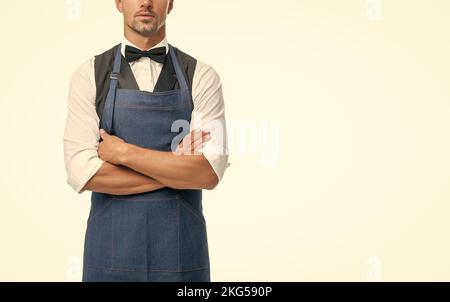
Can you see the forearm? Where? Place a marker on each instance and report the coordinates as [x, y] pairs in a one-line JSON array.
[[176, 171], [120, 180]]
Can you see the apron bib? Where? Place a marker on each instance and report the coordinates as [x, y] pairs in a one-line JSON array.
[[153, 236]]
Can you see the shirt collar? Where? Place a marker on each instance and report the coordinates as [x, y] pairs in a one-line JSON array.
[[126, 42]]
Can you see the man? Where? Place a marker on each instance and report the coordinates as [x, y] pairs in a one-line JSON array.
[[133, 139]]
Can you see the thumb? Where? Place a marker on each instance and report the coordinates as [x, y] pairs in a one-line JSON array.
[[103, 133]]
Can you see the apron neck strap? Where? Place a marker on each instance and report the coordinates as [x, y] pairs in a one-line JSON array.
[[180, 75], [117, 61]]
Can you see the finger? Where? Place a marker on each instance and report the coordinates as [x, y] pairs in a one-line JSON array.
[[198, 135], [196, 145], [192, 137], [204, 135], [199, 145], [197, 141]]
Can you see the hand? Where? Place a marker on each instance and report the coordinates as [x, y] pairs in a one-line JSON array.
[[112, 148], [193, 143]]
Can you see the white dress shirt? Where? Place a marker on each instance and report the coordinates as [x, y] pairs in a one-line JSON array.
[[81, 134]]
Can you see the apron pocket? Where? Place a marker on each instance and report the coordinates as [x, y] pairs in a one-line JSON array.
[[98, 212], [145, 234], [193, 238], [194, 211], [97, 245]]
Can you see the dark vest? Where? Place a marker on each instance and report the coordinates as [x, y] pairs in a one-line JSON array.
[[167, 79]]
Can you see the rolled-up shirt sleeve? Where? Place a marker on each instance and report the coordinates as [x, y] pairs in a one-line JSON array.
[[81, 133], [209, 114]]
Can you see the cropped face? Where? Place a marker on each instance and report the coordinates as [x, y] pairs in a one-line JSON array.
[[145, 17]]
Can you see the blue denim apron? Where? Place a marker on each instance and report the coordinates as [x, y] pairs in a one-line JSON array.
[[153, 236]]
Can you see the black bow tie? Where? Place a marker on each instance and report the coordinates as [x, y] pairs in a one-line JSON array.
[[156, 54]]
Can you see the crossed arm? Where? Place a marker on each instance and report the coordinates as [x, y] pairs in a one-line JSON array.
[[130, 169]]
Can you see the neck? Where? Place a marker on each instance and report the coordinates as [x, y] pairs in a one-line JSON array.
[[145, 42]]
